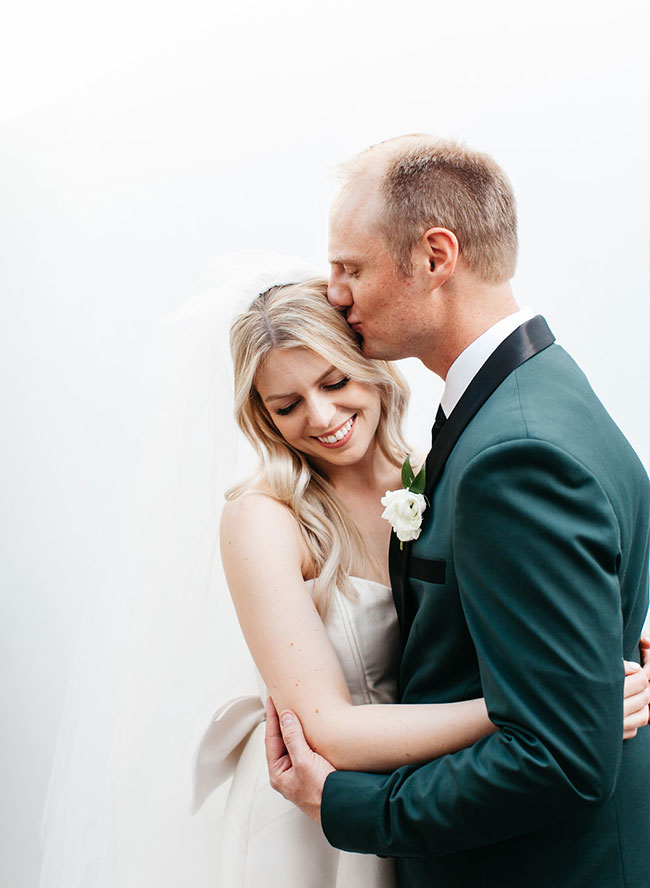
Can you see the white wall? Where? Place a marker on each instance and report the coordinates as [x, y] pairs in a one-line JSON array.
[[137, 145]]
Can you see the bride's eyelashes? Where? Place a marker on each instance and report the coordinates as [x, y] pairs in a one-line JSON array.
[[337, 385], [285, 411]]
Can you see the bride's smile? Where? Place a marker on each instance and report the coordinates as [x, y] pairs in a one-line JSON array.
[[338, 437]]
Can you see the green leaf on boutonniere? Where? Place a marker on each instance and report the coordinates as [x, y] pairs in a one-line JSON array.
[[408, 477], [419, 482], [411, 481]]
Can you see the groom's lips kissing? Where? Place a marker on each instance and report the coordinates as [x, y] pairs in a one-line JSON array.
[[339, 436]]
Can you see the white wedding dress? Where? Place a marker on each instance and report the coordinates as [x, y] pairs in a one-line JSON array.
[[265, 840]]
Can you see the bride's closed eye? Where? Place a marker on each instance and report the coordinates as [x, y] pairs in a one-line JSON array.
[[337, 385], [285, 411]]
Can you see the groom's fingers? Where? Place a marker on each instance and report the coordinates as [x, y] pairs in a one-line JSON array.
[[635, 678], [637, 703], [636, 700], [277, 758], [294, 738], [633, 722], [637, 688], [303, 780]]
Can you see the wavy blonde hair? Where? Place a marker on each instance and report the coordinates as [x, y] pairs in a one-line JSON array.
[[299, 316]]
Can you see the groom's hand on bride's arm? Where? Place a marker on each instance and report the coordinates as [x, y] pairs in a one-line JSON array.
[[295, 770]]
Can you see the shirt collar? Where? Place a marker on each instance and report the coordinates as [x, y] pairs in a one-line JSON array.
[[470, 361]]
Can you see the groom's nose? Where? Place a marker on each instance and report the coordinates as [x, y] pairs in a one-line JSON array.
[[338, 292]]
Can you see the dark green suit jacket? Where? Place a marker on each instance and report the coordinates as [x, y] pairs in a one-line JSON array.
[[528, 585]]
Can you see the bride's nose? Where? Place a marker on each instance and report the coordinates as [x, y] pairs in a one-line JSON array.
[[321, 412]]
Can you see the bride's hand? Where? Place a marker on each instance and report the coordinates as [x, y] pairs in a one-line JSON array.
[[636, 694], [295, 770]]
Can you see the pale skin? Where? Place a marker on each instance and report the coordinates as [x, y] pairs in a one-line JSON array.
[[266, 564], [433, 315]]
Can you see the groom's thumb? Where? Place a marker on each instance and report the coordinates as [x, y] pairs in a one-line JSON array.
[[293, 736]]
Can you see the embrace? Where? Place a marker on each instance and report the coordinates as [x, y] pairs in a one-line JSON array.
[[509, 615]]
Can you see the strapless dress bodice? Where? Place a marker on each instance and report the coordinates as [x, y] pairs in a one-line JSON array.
[[365, 636]]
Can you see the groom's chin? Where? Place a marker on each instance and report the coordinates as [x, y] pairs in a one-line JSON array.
[[374, 350], [362, 342], [366, 347]]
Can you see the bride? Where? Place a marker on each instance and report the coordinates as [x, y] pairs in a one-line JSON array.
[[305, 554]]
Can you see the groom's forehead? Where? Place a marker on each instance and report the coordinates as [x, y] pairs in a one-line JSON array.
[[357, 193], [356, 206]]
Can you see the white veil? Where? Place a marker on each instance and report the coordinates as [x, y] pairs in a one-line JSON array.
[[160, 648]]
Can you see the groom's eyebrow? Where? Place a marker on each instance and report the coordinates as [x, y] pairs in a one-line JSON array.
[[291, 394], [346, 258]]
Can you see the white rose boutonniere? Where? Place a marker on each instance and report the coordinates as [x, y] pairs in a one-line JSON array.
[[404, 508]]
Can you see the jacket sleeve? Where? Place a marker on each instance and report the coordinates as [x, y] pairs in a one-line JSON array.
[[536, 551]]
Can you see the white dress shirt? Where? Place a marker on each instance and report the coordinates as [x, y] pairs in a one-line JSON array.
[[470, 361]]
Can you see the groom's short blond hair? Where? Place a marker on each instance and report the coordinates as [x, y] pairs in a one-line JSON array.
[[428, 183]]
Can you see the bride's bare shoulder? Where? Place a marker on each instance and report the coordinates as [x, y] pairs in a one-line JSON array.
[[257, 520], [254, 505], [261, 544]]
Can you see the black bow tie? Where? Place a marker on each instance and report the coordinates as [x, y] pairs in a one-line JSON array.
[[441, 419]]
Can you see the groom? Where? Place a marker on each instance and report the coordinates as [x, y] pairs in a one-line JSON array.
[[529, 582]]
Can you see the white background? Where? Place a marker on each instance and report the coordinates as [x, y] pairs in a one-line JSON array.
[[136, 141]]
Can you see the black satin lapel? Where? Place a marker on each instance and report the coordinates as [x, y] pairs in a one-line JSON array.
[[526, 341], [405, 605]]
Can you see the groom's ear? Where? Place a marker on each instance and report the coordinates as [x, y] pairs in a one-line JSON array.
[[439, 250]]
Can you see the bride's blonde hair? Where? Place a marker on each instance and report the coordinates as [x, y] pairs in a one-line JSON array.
[[299, 316]]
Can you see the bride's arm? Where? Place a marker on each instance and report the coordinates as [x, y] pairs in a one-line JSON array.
[[263, 557]]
